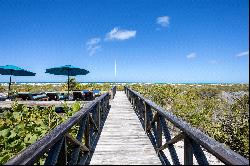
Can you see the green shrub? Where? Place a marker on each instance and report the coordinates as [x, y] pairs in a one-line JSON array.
[[21, 126], [202, 107]]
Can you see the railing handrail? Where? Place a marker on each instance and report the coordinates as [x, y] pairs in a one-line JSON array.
[[37, 149], [216, 148]]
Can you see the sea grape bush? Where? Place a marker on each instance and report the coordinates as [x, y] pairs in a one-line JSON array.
[[203, 107], [21, 126]]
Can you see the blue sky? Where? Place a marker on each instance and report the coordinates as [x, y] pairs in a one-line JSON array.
[[152, 40]]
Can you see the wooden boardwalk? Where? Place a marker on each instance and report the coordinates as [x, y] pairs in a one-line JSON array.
[[123, 140]]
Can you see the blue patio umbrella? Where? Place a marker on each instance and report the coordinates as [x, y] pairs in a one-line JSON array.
[[12, 70], [67, 70]]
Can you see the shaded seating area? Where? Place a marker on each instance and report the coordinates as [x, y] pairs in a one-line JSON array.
[[3, 98], [86, 95], [96, 93], [78, 95], [31, 96], [56, 96]]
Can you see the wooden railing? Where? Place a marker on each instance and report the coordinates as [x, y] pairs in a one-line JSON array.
[[60, 147], [154, 120], [112, 92]]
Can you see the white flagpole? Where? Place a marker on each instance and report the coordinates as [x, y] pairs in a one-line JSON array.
[[115, 71]]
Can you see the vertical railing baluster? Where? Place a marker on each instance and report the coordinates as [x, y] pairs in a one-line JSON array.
[[171, 148], [106, 101], [62, 159], [188, 152], [141, 107], [159, 131], [132, 99], [85, 156], [76, 150], [136, 103], [86, 133], [199, 154], [99, 116], [146, 120], [54, 153]]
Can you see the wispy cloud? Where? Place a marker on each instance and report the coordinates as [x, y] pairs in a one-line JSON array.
[[213, 62], [246, 53], [191, 55], [93, 45], [120, 34], [163, 21]]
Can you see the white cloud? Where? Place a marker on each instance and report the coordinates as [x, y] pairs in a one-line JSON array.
[[191, 55], [119, 34], [93, 41], [163, 21], [93, 45], [246, 53], [213, 62]]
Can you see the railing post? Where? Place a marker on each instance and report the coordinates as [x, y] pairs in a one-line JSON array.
[[99, 115], [86, 133], [54, 153], [146, 120], [136, 103], [76, 150], [112, 92], [159, 131], [141, 108], [133, 100], [188, 152], [107, 104], [129, 98], [62, 158]]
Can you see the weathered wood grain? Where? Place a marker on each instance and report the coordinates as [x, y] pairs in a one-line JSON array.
[[123, 140]]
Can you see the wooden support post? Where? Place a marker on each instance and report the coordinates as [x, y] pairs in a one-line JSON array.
[[86, 133], [199, 154], [62, 158], [188, 152], [99, 116], [153, 121], [159, 131], [146, 107], [54, 153], [133, 98], [141, 108], [92, 123], [111, 94], [135, 103], [132, 101]]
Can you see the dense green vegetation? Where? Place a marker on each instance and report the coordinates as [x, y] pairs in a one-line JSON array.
[[21, 126], [74, 86], [204, 107]]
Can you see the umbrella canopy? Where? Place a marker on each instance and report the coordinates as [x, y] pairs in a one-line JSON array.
[[67, 70], [14, 71]]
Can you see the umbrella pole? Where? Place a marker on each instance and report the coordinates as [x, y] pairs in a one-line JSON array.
[[9, 88], [68, 86]]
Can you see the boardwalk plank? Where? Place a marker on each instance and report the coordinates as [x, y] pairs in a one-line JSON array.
[[123, 140]]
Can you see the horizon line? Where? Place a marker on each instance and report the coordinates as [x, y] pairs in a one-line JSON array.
[[143, 82]]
